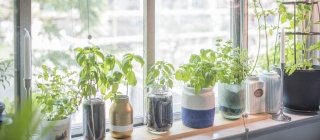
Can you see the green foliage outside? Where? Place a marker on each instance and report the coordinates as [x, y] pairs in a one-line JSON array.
[[5, 76], [58, 97], [160, 76]]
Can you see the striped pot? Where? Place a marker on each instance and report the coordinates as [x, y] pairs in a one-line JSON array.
[[197, 109], [255, 95], [272, 91]]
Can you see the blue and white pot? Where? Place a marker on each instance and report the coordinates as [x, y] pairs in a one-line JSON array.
[[198, 109]]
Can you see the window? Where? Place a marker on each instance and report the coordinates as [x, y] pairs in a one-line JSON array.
[[115, 25], [6, 55], [184, 27]]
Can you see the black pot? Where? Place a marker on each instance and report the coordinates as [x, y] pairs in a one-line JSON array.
[[302, 91]]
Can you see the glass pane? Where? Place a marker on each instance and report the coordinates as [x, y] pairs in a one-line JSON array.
[[253, 33], [184, 27], [6, 55], [60, 26]]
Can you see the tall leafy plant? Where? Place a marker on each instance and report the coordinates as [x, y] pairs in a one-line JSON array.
[[58, 97], [160, 76], [95, 67], [201, 71], [303, 57]]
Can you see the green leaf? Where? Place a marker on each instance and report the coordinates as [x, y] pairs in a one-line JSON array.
[[131, 77]]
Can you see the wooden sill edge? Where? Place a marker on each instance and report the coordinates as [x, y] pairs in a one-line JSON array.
[[179, 131]]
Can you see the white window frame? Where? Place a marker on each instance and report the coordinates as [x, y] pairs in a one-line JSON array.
[[22, 20]]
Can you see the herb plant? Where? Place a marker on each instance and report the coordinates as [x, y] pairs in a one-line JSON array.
[[123, 74], [233, 61], [200, 72], [58, 97], [95, 67], [160, 76]]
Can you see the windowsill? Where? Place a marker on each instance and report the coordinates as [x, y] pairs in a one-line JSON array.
[[179, 131], [259, 128]]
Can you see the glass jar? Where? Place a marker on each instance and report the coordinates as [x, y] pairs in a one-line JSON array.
[[159, 111], [231, 99], [121, 117]]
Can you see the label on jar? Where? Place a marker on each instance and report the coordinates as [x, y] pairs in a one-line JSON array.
[[258, 93], [117, 128]]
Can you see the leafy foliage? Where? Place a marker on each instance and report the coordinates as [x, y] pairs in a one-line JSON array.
[[25, 124], [234, 63], [160, 75], [94, 70], [105, 73], [201, 71], [5, 66], [58, 98], [304, 51], [123, 74]]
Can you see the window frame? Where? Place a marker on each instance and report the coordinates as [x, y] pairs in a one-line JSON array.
[[22, 20]]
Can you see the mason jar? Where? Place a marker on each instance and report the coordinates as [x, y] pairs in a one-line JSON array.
[[121, 117], [159, 111], [231, 100]]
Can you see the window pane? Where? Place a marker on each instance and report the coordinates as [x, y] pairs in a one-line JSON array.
[[6, 55], [184, 27], [60, 26]]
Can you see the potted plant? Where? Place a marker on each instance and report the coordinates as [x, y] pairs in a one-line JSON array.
[[58, 99], [121, 112], [199, 76], [159, 100], [95, 67], [231, 94], [301, 81]]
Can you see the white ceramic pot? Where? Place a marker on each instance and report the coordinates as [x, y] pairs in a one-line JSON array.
[[272, 91], [60, 129]]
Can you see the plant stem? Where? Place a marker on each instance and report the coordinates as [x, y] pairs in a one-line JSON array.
[[266, 33], [259, 38]]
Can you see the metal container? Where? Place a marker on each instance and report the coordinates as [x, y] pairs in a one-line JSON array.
[[197, 110], [255, 95], [94, 119], [121, 117], [272, 91], [159, 111], [231, 100]]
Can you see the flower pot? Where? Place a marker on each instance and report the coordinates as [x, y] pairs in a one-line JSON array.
[[255, 95], [231, 100], [159, 111], [121, 117], [272, 91], [60, 129], [197, 109], [302, 91], [94, 119]]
